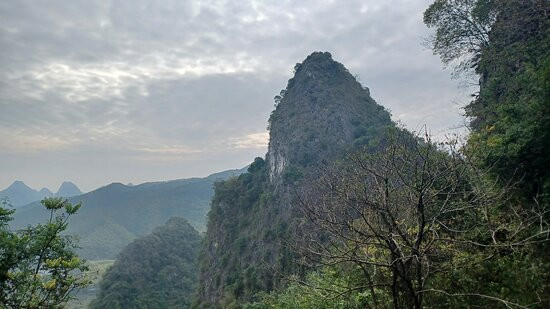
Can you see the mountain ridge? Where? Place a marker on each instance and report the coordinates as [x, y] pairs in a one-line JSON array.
[[20, 194], [115, 214], [68, 189]]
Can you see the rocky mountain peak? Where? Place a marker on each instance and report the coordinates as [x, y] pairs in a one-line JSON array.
[[322, 111], [18, 184], [45, 192], [319, 64], [68, 189], [19, 194]]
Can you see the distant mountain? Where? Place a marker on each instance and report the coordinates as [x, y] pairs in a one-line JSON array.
[[68, 189], [114, 215], [45, 192], [20, 194]]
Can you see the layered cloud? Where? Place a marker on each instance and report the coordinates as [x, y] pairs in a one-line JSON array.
[[172, 88]]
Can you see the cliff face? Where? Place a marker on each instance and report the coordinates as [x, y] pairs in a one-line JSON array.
[[323, 113]]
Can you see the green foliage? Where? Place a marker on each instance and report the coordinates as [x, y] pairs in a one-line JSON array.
[[479, 252], [511, 115], [510, 121], [38, 266], [324, 110], [252, 216], [513, 276], [326, 288], [155, 271], [5, 212], [461, 30], [509, 43], [412, 219], [237, 206], [292, 174]]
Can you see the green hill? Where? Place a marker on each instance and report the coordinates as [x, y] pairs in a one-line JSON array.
[[156, 271], [114, 215]]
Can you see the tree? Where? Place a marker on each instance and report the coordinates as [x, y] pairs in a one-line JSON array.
[[507, 44], [412, 215], [327, 288], [38, 266], [462, 30], [158, 270]]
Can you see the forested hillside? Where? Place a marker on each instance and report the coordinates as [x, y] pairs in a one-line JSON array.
[[420, 224], [114, 215], [322, 113], [348, 208], [155, 271], [346, 211]]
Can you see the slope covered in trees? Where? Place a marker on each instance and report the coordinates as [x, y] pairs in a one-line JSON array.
[[507, 44], [156, 271], [425, 225], [403, 222], [114, 215], [322, 113]]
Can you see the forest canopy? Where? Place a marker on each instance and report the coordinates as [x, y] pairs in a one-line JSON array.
[[156, 271]]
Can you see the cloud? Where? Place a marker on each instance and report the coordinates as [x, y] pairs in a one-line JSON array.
[[152, 82], [168, 149], [23, 142], [254, 140]]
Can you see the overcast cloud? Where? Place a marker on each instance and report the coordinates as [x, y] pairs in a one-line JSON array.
[[139, 90]]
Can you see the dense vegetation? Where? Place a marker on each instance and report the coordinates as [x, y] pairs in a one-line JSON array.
[[323, 113], [38, 266], [114, 215], [412, 226], [403, 222], [155, 271], [346, 210], [507, 44], [228, 258]]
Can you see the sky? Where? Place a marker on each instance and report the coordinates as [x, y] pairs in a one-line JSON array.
[[132, 91]]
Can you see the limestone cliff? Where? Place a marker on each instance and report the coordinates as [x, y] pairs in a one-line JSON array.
[[321, 113]]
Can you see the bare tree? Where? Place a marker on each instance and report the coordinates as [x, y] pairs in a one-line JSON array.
[[404, 215]]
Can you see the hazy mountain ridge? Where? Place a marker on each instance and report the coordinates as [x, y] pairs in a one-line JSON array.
[[114, 215], [19, 194], [68, 189]]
